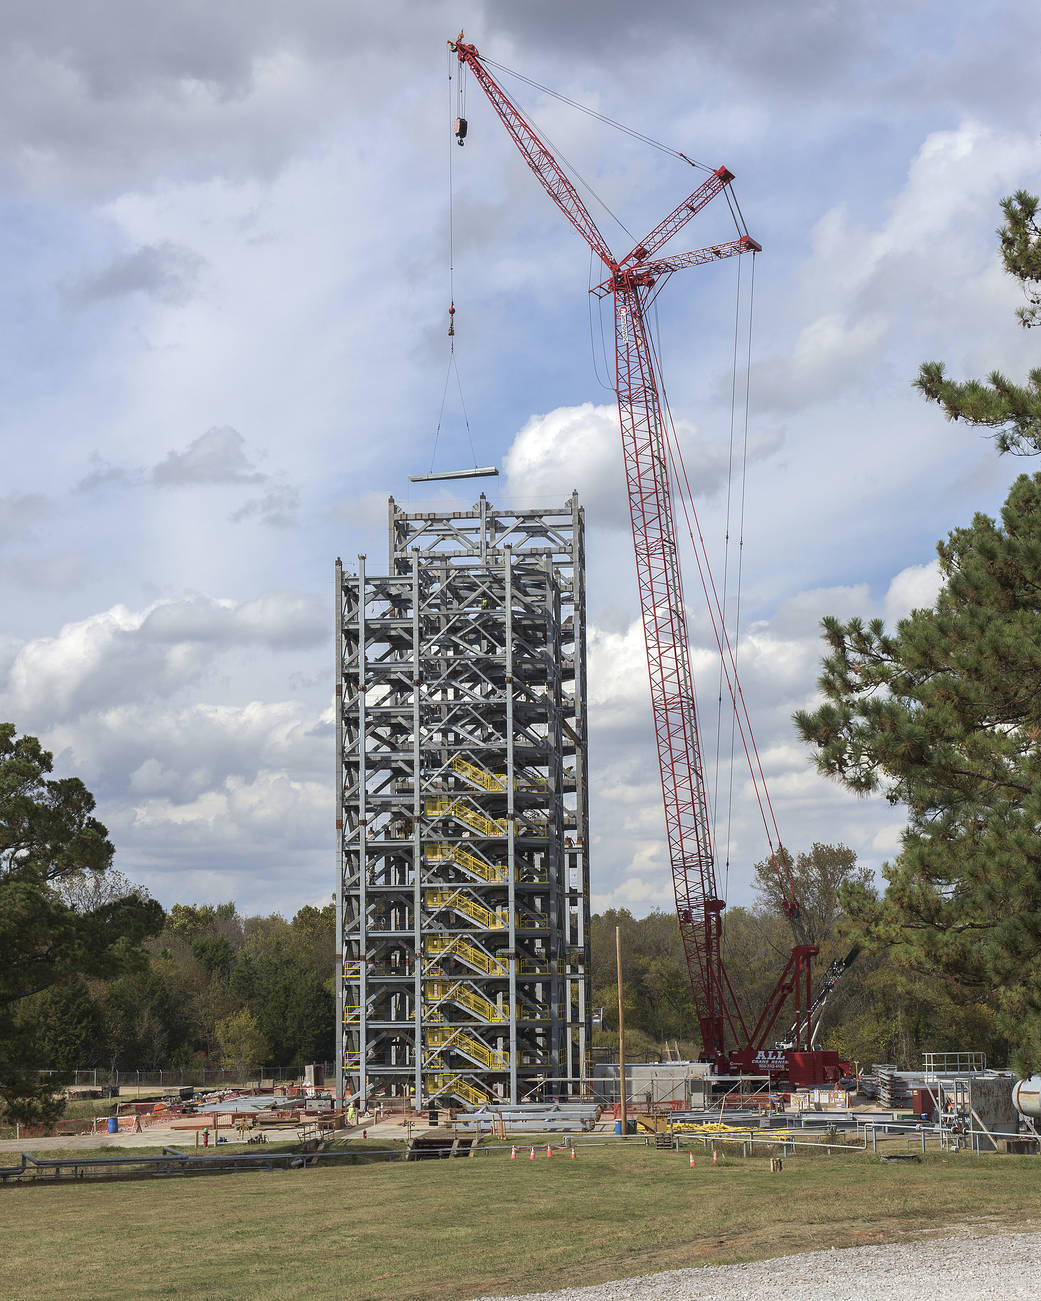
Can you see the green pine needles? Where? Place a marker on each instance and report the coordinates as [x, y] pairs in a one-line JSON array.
[[1012, 410]]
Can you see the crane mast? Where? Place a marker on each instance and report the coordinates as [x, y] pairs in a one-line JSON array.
[[632, 281]]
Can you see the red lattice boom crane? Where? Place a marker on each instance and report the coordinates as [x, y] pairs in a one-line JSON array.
[[632, 281]]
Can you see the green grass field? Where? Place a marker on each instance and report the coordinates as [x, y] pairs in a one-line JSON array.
[[457, 1229]]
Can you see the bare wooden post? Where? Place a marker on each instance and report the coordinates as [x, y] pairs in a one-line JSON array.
[[621, 1030]]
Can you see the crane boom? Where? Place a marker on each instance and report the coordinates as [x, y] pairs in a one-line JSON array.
[[535, 152], [668, 657]]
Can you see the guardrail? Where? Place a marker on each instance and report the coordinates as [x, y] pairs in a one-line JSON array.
[[175, 1162], [180, 1077], [948, 1138]]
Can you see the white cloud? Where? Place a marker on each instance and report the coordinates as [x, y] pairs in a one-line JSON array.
[[242, 790], [580, 448], [281, 620], [830, 353], [217, 456], [800, 615], [567, 449], [617, 671], [166, 271], [778, 661], [931, 249], [121, 654], [887, 841], [276, 508], [914, 588]]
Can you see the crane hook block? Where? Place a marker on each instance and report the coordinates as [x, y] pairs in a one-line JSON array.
[[460, 129]]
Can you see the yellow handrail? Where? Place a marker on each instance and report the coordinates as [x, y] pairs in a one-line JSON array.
[[440, 992], [478, 821], [456, 854], [495, 782], [477, 775], [440, 945], [461, 1041], [457, 1085], [462, 811], [455, 898]]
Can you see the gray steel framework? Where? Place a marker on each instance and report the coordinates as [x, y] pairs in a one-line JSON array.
[[462, 817]]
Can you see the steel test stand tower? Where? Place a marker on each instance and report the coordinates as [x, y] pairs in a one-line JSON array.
[[462, 818]]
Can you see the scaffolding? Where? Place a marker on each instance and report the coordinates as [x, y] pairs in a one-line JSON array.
[[462, 818]]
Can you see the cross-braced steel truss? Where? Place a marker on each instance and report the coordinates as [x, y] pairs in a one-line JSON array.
[[462, 809]]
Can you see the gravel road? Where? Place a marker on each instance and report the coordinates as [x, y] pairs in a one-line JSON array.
[[967, 1265]]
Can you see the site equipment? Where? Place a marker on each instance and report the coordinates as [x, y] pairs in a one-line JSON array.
[[1026, 1096], [634, 281]]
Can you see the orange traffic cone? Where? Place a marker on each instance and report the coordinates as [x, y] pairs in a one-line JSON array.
[[574, 1154], [532, 1157], [715, 1157], [549, 1150], [692, 1158], [513, 1153]]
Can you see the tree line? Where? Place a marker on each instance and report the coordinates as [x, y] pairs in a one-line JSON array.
[[210, 989]]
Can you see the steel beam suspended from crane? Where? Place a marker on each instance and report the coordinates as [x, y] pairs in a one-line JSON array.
[[632, 281]]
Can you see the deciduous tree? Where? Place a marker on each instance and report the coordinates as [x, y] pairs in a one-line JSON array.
[[242, 1042], [817, 876], [52, 933]]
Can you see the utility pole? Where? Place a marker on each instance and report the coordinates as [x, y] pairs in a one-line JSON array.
[[621, 1029]]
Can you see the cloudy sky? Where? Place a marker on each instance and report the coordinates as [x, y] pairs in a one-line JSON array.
[[225, 261]]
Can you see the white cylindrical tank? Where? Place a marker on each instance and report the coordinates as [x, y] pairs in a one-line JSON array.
[[1026, 1095]]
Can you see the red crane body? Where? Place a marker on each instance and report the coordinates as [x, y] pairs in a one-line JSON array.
[[632, 280]]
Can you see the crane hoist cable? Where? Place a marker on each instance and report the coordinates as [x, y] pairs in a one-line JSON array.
[[453, 363], [740, 545], [594, 113], [604, 383], [727, 655], [562, 157], [741, 523], [726, 590]]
